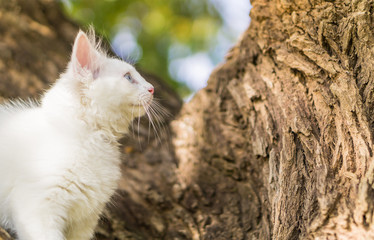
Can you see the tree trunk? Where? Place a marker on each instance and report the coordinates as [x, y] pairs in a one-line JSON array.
[[279, 145]]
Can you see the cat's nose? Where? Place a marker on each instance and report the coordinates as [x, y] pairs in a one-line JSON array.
[[151, 90]]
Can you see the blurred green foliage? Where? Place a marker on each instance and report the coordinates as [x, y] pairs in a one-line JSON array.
[[156, 25]]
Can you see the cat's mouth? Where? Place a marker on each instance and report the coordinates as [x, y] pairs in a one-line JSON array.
[[136, 105], [141, 105], [144, 104]]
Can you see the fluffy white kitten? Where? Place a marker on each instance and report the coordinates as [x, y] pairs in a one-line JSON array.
[[59, 160]]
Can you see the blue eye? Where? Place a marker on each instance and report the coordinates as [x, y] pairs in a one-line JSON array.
[[129, 78]]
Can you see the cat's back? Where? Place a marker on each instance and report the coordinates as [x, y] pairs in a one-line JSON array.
[[21, 128], [28, 143], [19, 117], [18, 123], [35, 143]]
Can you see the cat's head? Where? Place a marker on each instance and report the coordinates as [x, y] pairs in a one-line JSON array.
[[109, 84]]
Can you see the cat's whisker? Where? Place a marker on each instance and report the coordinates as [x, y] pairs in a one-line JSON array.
[[132, 122], [156, 111], [162, 111], [149, 124], [139, 115], [159, 121], [155, 103], [146, 108]]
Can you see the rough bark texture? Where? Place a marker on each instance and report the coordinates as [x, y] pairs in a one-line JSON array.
[[285, 127], [283, 133], [278, 146], [34, 41]]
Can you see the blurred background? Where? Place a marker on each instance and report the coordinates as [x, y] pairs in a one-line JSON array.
[[178, 40]]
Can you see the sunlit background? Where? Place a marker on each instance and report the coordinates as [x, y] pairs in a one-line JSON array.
[[178, 40]]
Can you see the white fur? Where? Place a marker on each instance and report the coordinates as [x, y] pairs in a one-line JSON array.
[[59, 160]]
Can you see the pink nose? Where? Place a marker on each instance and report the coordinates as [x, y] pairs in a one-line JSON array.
[[151, 90]]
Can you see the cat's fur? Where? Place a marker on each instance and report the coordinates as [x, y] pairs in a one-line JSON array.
[[59, 160]]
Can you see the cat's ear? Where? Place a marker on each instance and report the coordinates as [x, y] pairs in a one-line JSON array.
[[85, 57]]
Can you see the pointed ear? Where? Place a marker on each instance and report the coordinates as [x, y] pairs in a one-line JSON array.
[[84, 57]]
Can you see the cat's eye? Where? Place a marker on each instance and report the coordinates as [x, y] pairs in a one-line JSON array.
[[129, 77]]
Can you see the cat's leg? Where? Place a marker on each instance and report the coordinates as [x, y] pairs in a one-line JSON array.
[[34, 225], [36, 219]]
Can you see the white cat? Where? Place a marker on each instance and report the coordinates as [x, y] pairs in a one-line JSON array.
[[59, 160]]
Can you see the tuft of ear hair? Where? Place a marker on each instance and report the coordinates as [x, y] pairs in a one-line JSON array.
[[83, 52], [86, 54]]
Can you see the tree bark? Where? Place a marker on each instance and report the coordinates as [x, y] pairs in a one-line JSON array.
[[283, 133], [279, 145]]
